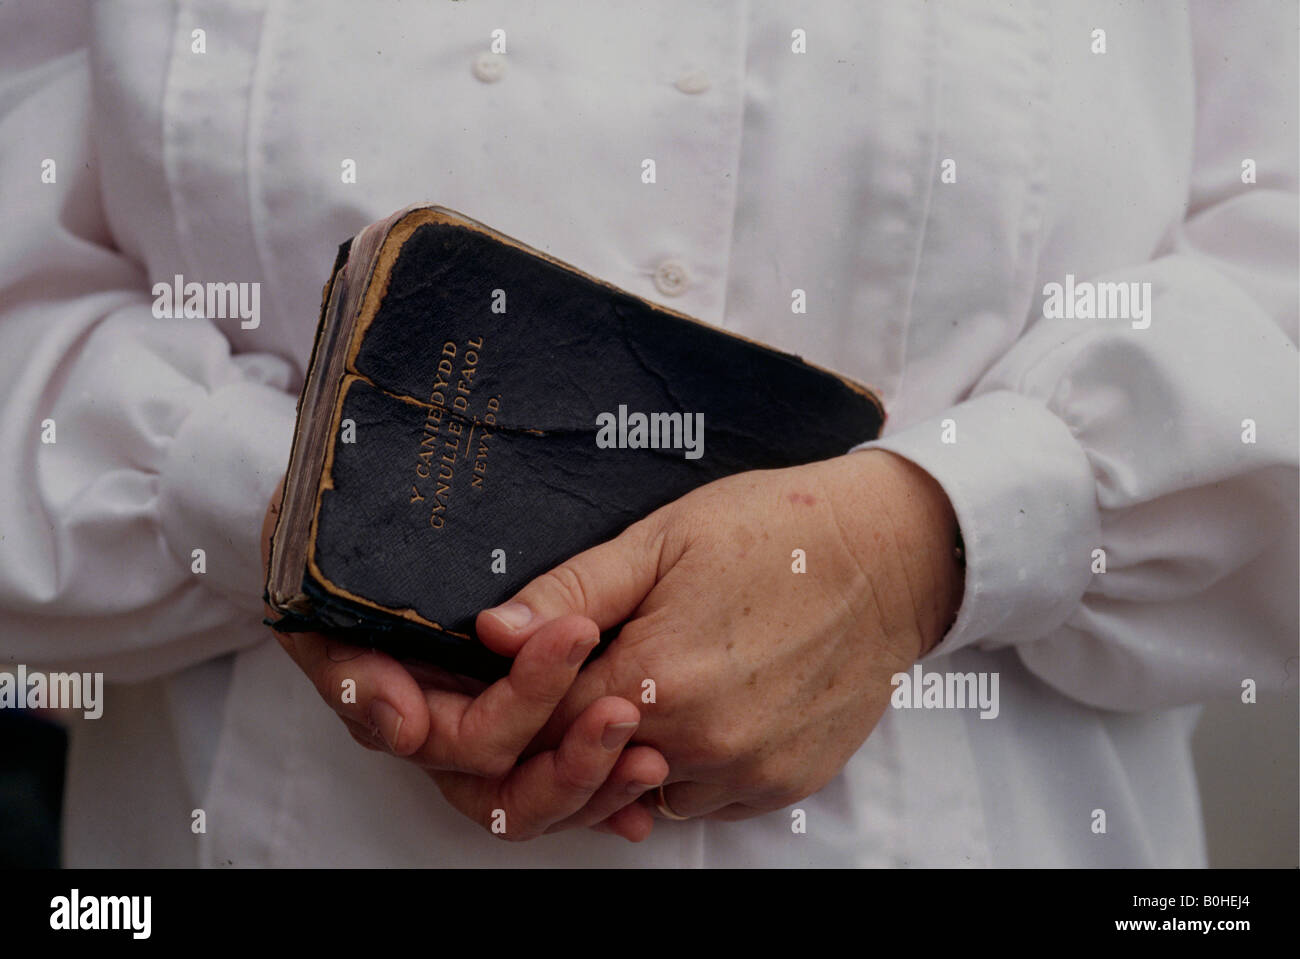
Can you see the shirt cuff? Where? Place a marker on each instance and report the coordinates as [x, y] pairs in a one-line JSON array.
[[1025, 498], [216, 483]]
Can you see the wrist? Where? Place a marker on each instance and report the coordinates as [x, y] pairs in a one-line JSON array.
[[927, 555]]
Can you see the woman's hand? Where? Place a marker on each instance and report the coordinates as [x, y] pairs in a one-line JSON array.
[[473, 734], [764, 616], [758, 673]]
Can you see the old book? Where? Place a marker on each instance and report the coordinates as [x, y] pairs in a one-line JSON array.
[[476, 412]]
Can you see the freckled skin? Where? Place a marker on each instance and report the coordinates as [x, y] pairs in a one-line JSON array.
[[770, 680]]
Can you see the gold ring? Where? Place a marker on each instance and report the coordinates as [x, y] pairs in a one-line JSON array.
[[665, 810]]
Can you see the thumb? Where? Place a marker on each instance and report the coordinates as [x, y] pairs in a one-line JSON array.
[[605, 583]]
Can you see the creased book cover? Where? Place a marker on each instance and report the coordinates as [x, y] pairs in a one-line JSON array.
[[476, 412]]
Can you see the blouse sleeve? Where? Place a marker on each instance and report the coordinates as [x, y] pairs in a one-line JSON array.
[[1128, 496], [129, 441]]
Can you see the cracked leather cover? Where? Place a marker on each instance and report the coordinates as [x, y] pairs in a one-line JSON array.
[[475, 431]]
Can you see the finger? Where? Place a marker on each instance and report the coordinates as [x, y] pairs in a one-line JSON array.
[[690, 800], [617, 673], [552, 785], [735, 812], [555, 785], [364, 736], [485, 735], [634, 823], [430, 676], [605, 583], [364, 685], [639, 768]]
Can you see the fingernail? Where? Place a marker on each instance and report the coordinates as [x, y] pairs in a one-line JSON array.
[[513, 615], [387, 720], [636, 789], [581, 649], [616, 734]]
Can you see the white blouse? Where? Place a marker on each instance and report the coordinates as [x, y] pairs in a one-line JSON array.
[[923, 172]]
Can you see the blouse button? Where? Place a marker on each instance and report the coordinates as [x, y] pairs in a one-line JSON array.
[[671, 278], [489, 67], [693, 81]]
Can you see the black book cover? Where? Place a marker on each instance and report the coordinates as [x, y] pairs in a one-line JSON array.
[[495, 417]]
